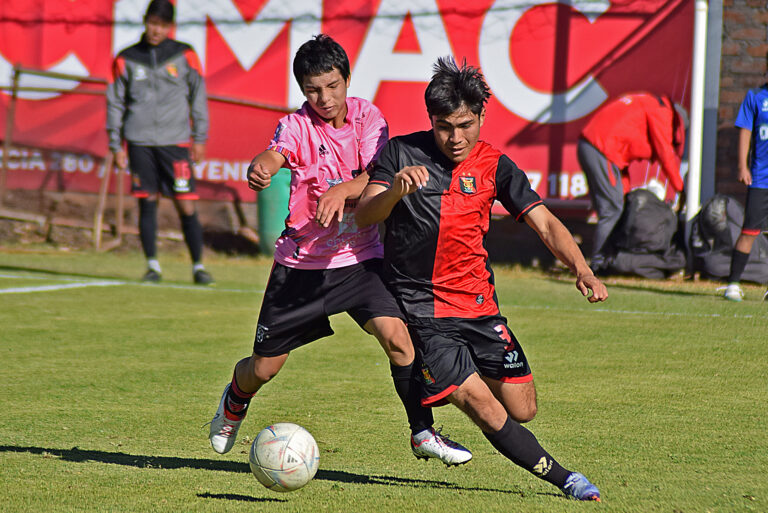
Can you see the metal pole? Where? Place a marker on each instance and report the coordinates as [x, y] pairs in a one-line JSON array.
[[693, 190]]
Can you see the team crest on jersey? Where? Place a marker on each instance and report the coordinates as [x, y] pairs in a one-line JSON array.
[[172, 70], [467, 184], [141, 73], [765, 105]]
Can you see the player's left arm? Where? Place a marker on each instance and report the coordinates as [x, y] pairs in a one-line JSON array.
[[198, 105], [560, 242], [330, 205], [373, 137]]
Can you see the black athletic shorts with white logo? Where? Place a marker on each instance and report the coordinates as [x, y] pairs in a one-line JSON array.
[[756, 212], [452, 349], [163, 169], [298, 302]]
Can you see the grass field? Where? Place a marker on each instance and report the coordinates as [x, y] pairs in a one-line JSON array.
[[659, 396]]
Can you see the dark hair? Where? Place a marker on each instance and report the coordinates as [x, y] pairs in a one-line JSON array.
[[163, 9], [319, 55], [451, 87]]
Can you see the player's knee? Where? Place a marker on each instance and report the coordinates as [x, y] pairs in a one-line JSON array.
[[525, 413], [264, 369]]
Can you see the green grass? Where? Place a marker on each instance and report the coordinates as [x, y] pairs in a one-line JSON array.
[[659, 396]]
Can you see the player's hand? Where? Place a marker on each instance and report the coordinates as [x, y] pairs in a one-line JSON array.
[[330, 206], [410, 179], [197, 152], [745, 176], [259, 177], [121, 159], [591, 282]]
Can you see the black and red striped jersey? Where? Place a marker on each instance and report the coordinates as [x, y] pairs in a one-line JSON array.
[[434, 248]]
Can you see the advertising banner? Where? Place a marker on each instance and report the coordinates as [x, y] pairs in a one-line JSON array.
[[549, 64]]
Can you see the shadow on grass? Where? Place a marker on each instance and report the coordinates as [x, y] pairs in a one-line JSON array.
[[237, 497], [167, 462], [68, 274]]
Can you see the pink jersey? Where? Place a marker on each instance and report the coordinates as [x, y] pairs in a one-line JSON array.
[[321, 156]]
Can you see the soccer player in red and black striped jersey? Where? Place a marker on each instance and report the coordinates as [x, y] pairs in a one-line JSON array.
[[434, 190]]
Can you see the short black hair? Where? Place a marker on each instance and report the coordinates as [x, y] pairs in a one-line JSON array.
[[319, 55], [163, 9], [451, 87]]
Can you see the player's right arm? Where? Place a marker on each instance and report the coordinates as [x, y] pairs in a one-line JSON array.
[[265, 165], [115, 111], [377, 201], [745, 138]]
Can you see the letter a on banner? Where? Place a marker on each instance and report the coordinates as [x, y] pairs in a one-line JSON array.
[[378, 60]]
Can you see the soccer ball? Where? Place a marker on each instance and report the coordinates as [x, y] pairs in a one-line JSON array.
[[284, 457]]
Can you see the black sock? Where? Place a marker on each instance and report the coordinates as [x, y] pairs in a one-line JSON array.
[[520, 445], [738, 263], [193, 236], [148, 227], [419, 418], [237, 401]]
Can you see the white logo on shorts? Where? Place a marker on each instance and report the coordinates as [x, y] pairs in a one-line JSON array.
[[261, 332]]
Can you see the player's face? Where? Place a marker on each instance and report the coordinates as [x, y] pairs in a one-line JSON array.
[[157, 30], [457, 133], [327, 95]]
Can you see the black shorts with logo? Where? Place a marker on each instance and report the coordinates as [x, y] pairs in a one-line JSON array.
[[298, 302], [452, 349], [756, 211], [163, 169]]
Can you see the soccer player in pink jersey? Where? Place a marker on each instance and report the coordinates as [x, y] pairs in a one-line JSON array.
[[324, 263]]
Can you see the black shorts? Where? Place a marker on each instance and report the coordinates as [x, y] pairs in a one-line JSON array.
[[163, 169], [453, 349], [755, 212], [298, 302]]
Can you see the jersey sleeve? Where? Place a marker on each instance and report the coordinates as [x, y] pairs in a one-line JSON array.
[[386, 165], [746, 117], [116, 93], [287, 140], [374, 136], [513, 189], [660, 136]]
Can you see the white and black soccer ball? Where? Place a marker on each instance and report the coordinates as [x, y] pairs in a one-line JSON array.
[[284, 457]]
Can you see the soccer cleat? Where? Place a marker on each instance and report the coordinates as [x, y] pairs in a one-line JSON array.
[[224, 426], [441, 447], [579, 488], [733, 292], [151, 276], [201, 277], [765, 296]]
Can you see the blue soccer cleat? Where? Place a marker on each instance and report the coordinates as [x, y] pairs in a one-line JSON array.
[[578, 487]]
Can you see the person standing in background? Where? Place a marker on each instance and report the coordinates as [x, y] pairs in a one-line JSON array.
[[157, 87]]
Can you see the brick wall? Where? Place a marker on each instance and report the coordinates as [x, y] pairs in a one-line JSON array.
[[743, 66]]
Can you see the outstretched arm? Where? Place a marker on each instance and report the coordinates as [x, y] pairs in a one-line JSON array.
[[560, 242]]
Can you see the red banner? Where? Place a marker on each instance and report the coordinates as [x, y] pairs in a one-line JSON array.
[[549, 65]]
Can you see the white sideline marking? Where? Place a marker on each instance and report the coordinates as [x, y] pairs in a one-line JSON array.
[[632, 312], [49, 288], [80, 283]]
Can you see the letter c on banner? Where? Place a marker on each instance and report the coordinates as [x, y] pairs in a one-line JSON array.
[[496, 62]]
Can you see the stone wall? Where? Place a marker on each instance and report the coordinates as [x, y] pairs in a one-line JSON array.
[[743, 66]]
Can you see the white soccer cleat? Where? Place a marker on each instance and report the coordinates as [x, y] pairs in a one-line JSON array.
[[733, 292], [224, 427], [441, 447]]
